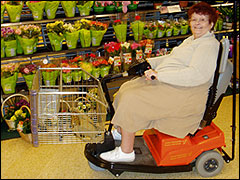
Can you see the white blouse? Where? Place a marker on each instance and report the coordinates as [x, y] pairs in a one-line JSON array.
[[192, 63]]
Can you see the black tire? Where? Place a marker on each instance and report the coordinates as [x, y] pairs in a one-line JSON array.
[[209, 163]]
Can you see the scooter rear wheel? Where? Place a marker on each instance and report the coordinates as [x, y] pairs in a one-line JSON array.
[[209, 163], [94, 167]]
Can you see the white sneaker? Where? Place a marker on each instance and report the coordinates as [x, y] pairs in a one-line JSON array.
[[117, 155], [116, 135]]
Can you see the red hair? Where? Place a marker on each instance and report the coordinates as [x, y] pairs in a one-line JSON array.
[[204, 8]]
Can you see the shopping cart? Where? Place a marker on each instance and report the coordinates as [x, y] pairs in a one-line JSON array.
[[66, 110]]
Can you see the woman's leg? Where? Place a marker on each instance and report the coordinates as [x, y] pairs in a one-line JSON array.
[[127, 141]]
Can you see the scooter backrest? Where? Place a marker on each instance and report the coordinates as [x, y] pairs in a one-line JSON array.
[[225, 70]]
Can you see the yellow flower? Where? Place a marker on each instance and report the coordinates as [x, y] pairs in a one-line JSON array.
[[18, 112], [23, 115], [13, 118]]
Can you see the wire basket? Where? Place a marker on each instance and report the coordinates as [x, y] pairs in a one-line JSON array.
[[67, 112]]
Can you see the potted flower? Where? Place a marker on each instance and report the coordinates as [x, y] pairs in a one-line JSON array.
[[120, 29], [110, 6], [55, 34], [104, 66], [133, 6], [28, 71], [98, 30], [49, 75], [96, 66], [147, 46], [176, 28], [126, 54], [161, 29], [3, 6], [169, 28], [87, 66], [28, 37], [10, 42], [122, 6], [37, 9], [66, 72], [9, 76], [83, 26], [184, 26], [112, 50], [137, 52], [76, 74], [84, 7], [14, 9], [150, 30], [71, 35], [69, 8], [98, 7], [51, 9], [137, 28]]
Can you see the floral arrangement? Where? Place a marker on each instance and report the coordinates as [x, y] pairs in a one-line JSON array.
[[125, 47], [98, 26], [67, 76], [51, 8], [122, 6], [71, 35], [19, 115], [176, 28], [137, 28], [37, 9], [169, 28], [49, 75], [112, 48], [120, 28], [69, 8], [84, 7], [8, 34], [28, 69], [56, 27], [161, 28], [136, 51], [14, 9], [147, 46], [8, 70], [83, 26], [184, 26], [127, 55], [28, 31], [98, 29], [150, 30]]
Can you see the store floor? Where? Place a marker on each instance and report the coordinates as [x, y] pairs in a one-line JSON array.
[[20, 160]]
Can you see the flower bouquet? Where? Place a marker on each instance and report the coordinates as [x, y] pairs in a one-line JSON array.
[[76, 74], [9, 76], [84, 7], [127, 55], [3, 6], [176, 28], [83, 26], [51, 9], [87, 66], [120, 28], [66, 75], [28, 37], [55, 34], [184, 26], [14, 9], [169, 28], [49, 75], [122, 6], [98, 30], [112, 50], [96, 67], [71, 35], [161, 29], [104, 66], [137, 52], [133, 6], [150, 30], [28, 71], [37, 8], [10, 42], [110, 6], [69, 8], [12, 111], [98, 7], [137, 28]]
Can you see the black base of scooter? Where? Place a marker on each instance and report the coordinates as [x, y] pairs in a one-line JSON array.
[[143, 162]]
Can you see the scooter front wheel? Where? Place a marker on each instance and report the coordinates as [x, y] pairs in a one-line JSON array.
[[94, 167], [209, 163]]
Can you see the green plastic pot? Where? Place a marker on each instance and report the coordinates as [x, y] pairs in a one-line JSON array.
[[14, 12], [132, 7], [29, 80], [37, 9], [10, 48], [2, 48], [98, 10], [51, 9], [110, 9], [9, 84]]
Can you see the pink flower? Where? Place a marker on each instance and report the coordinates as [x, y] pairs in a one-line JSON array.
[[26, 70]]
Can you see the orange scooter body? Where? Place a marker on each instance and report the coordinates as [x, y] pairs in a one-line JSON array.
[[171, 151]]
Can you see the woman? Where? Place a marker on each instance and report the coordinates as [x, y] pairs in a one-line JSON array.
[[175, 101]]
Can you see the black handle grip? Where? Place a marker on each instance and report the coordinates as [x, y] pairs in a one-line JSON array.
[[153, 77]]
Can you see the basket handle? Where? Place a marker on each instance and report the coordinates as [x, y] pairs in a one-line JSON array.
[[24, 106]]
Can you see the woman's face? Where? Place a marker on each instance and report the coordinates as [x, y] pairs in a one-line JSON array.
[[199, 24]]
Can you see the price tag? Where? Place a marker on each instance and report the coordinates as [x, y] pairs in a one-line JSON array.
[[172, 9]]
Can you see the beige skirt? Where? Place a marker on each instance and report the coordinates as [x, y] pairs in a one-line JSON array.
[[173, 110]]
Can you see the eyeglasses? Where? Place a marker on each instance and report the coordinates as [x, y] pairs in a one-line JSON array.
[[202, 20]]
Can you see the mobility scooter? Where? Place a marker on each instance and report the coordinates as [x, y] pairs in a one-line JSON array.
[[160, 153]]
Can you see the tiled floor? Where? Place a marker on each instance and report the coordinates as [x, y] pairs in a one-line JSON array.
[[20, 160]]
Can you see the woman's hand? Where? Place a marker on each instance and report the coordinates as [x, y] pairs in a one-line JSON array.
[[150, 73]]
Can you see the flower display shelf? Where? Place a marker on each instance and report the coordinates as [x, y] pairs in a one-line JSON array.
[[6, 105]]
